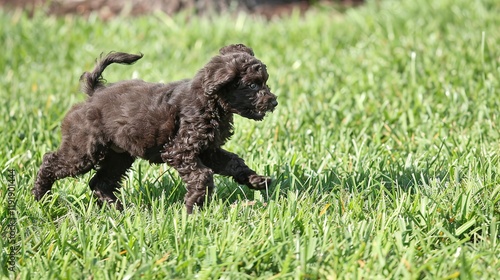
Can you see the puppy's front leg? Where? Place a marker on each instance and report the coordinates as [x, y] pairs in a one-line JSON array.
[[197, 177], [229, 164]]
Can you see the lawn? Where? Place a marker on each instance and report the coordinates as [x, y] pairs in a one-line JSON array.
[[384, 149]]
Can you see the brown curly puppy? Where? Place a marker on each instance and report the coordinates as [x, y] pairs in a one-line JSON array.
[[183, 123]]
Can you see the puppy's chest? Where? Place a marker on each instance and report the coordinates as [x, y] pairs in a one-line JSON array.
[[219, 132]]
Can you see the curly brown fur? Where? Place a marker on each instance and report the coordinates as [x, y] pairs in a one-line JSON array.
[[184, 124]]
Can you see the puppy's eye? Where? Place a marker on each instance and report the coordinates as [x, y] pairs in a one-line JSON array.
[[253, 86]]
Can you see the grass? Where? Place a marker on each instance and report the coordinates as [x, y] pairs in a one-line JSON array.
[[384, 148]]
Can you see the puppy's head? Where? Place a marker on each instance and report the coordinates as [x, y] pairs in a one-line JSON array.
[[239, 79], [236, 48]]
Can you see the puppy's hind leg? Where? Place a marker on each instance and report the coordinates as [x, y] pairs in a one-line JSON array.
[[57, 165], [78, 154], [46, 176], [109, 174]]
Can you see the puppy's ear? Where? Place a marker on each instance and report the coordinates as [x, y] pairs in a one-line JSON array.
[[236, 48], [218, 73]]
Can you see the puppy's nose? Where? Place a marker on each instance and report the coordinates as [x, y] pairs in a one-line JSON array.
[[274, 102]]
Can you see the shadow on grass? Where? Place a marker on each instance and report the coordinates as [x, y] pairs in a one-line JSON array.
[[169, 186]]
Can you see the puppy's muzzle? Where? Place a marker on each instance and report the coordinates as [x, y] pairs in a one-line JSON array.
[[271, 102], [265, 102], [274, 104]]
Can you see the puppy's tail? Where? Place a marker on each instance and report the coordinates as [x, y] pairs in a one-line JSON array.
[[90, 82]]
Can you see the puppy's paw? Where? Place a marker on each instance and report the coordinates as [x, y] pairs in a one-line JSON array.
[[258, 182], [109, 199], [38, 191]]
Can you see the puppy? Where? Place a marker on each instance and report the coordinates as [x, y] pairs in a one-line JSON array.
[[183, 123]]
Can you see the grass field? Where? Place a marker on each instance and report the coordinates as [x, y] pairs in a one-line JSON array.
[[384, 148]]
